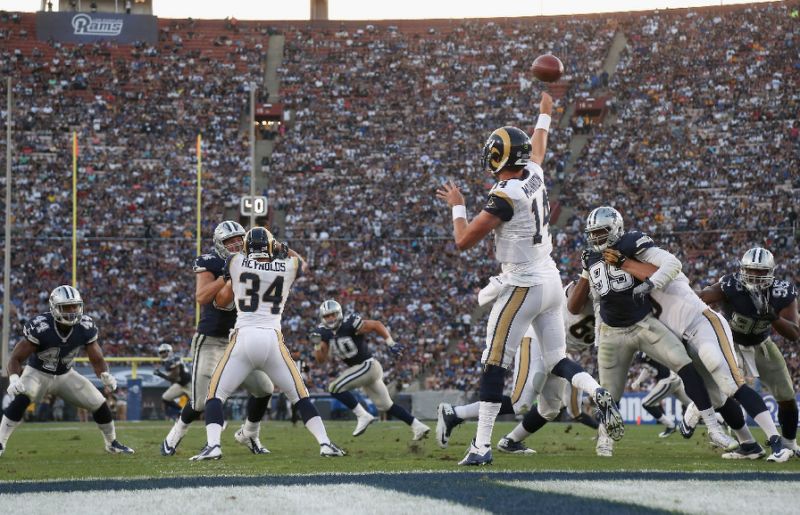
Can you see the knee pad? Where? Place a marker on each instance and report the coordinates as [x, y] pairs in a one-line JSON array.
[[16, 410], [257, 407], [103, 414], [346, 398], [492, 383], [188, 415]]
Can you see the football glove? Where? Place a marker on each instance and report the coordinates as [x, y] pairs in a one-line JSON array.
[[281, 250], [159, 373], [585, 260], [641, 291], [226, 270], [314, 337], [109, 381], [394, 347], [15, 386], [614, 257]]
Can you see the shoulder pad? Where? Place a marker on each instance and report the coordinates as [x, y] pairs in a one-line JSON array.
[[355, 320], [35, 328], [633, 243]]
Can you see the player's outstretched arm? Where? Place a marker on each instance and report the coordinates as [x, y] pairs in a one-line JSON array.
[[206, 287], [786, 322], [466, 235], [99, 365], [224, 296], [712, 294], [580, 294], [668, 265], [539, 139], [639, 270], [22, 351], [320, 347]]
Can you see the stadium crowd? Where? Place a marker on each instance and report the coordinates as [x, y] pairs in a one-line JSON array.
[[701, 150]]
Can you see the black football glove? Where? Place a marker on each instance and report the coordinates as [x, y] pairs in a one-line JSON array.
[[281, 250], [226, 270], [641, 291], [614, 257], [585, 260]]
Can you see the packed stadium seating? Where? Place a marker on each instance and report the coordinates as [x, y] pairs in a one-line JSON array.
[[700, 149]]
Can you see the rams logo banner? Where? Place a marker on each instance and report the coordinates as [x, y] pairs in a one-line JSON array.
[[71, 27]]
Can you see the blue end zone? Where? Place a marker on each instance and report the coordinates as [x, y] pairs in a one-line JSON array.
[[475, 489]]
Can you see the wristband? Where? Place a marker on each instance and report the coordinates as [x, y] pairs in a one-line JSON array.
[[318, 346], [585, 274], [13, 378], [459, 211], [390, 341], [543, 122]]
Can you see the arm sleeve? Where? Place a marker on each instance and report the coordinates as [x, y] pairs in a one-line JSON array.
[[499, 206], [668, 265]]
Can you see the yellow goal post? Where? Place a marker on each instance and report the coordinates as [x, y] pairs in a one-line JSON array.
[[134, 361]]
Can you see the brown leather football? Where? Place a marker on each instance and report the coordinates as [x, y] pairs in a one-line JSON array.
[[547, 68]]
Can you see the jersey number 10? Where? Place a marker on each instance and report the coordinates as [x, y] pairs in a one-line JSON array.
[[252, 295]]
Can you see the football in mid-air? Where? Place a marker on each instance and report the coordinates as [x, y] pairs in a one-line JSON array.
[[547, 68]]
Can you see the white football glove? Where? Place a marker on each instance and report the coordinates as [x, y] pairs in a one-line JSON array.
[[15, 386], [635, 385], [491, 291], [109, 381]]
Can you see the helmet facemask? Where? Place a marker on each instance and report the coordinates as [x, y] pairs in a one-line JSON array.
[[66, 305], [603, 228], [757, 269], [224, 242], [330, 314]]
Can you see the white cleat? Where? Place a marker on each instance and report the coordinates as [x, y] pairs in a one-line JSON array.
[[208, 453], [330, 450], [780, 453], [420, 430], [251, 442], [719, 439], [605, 445], [362, 423]]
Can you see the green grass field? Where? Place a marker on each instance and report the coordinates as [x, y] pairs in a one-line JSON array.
[[72, 451]]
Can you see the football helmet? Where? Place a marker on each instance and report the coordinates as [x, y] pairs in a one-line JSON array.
[[223, 232], [331, 307], [259, 243], [165, 351], [603, 228], [506, 146], [62, 297], [757, 269]]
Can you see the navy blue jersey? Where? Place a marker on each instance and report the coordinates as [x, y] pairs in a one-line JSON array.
[[213, 320], [345, 343], [751, 327], [662, 372], [614, 286], [173, 362], [54, 350]]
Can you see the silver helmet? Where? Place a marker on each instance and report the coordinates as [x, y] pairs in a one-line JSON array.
[[331, 307], [225, 231], [165, 351], [757, 269], [62, 297], [603, 228]]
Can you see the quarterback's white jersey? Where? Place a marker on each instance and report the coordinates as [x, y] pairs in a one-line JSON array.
[[677, 305], [523, 244], [260, 290]]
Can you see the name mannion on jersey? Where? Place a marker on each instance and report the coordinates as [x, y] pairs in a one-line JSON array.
[[532, 185], [272, 266]]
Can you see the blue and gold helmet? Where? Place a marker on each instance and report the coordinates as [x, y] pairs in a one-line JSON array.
[[507, 146], [259, 243]]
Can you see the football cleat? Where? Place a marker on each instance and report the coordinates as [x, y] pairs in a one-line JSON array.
[[476, 456], [691, 418], [667, 432], [719, 439], [252, 443], [609, 414], [605, 445], [510, 446], [171, 442], [420, 430], [1, 449], [779, 452], [208, 453], [746, 451], [117, 448], [362, 423], [445, 423], [792, 446], [330, 450]]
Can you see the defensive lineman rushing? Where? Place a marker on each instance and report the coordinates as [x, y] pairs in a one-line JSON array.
[[209, 342], [627, 323], [755, 303], [52, 341], [709, 343], [344, 338], [529, 289], [260, 279]]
